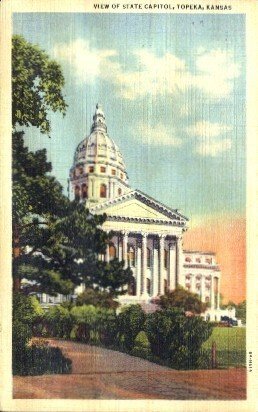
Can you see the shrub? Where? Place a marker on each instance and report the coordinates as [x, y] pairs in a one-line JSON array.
[[106, 326], [85, 318], [130, 323], [58, 322], [103, 299], [32, 357], [177, 338], [40, 360]]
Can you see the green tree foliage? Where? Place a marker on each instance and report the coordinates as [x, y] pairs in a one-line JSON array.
[[58, 322], [37, 83], [182, 298], [130, 322], [55, 242], [98, 298], [241, 311], [177, 338]]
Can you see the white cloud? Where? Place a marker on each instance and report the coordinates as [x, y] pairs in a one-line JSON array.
[[210, 138], [155, 75], [213, 148], [87, 62], [206, 129], [216, 72], [158, 135]]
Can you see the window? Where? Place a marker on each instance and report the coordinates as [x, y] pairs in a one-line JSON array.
[[121, 175], [198, 260], [80, 170], [103, 190], [113, 172], [131, 257], [102, 169], [188, 259], [148, 258], [84, 191], [91, 169], [119, 191], [165, 258], [112, 252], [208, 260], [77, 192], [148, 285]]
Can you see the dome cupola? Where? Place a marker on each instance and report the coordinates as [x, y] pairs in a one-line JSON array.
[[98, 172]]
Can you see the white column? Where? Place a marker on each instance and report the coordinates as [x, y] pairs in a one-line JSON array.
[[125, 246], [212, 292], [155, 268], [161, 263], [138, 266], [144, 264], [172, 266], [179, 259], [218, 298]]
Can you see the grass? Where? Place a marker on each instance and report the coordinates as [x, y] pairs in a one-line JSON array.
[[230, 344], [230, 339]]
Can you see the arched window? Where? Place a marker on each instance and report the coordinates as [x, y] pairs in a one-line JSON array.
[[103, 190], [148, 286], [165, 258], [77, 192], [112, 252], [84, 191], [119, 191], [131, 257], [132, 287], [148, 258]]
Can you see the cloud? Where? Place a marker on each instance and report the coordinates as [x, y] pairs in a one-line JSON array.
[[210, 138], [216, 71], [158, 135], [213, 148], [87, 62], [213, 74], [206, 129]]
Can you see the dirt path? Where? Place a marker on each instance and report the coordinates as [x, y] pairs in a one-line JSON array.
[[99, 373]]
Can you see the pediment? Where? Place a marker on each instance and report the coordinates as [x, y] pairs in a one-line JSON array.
[[137, 206]]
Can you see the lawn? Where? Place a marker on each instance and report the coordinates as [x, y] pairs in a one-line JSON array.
[[231, 339], [230, 344]]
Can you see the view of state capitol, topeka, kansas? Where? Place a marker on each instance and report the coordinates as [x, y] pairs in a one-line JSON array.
[[148, 235]]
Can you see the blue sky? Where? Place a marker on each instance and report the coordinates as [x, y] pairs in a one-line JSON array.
[[172, 87]]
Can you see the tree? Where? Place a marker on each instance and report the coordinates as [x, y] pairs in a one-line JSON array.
[[177, 338], [102, 299], [56, 243], [241, 311], [182, 298], [130, 323], [37, 83]]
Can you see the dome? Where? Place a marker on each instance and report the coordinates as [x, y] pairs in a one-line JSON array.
[[98, 158]]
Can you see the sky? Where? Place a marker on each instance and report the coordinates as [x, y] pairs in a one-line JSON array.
[[172, 87]]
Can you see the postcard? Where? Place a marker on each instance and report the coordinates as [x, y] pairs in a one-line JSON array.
[[129, 195]]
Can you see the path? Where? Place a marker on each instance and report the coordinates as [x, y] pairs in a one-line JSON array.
[[99, 373]]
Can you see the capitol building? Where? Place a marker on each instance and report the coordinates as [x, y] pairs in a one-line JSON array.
[[148, 235]]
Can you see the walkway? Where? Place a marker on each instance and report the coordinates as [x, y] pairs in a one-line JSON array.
[[99, 373]]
